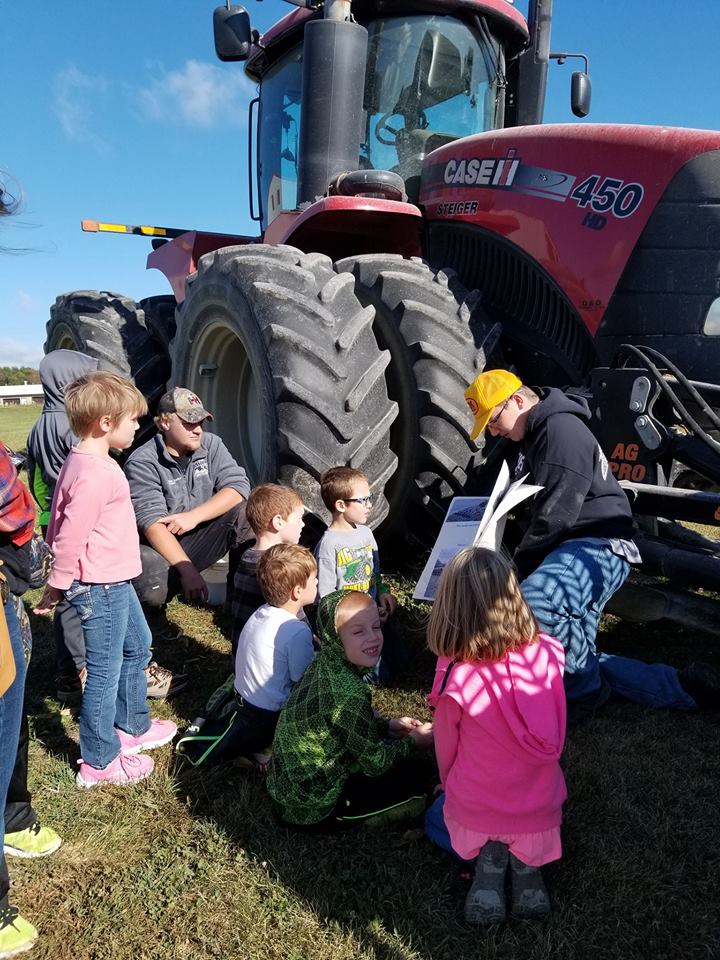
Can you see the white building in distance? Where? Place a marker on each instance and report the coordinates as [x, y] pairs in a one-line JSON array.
[[21, 395]]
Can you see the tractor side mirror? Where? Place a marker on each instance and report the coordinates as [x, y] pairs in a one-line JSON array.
[[232, 33], [580, 86], [580, 93]]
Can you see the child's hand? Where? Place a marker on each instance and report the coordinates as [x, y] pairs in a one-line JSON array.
[[401, 726], [48, 601], [387, 605], [423, 735]]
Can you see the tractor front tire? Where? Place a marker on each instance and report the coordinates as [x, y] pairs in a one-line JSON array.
[[439, 339], [283, 354]]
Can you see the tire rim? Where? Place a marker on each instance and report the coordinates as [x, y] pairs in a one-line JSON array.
[[223, 377]]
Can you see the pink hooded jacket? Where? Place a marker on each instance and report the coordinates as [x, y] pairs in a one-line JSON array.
[[499, 733]]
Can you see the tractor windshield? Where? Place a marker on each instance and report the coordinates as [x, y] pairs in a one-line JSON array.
[[430, 80]]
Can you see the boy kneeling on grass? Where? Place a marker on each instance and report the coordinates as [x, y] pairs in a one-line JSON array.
[[334, 762]]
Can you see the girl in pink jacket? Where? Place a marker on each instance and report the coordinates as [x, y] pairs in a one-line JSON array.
[[499, 732]]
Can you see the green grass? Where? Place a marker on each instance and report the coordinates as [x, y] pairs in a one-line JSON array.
[[15, 424], [191, 865]]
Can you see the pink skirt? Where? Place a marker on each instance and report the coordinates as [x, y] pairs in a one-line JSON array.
[[533, 849]]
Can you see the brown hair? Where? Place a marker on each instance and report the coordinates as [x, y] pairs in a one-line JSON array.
[[337, 484], [352, 602], [479, 612], [101, 394], [270, 500], [282, 567]]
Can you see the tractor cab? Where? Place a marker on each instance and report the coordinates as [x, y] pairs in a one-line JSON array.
[[413, 81]]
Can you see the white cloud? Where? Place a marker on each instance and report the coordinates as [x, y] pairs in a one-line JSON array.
[[19, 353], [198, 94], [74, 102]]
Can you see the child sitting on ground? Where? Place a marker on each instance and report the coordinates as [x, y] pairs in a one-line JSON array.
[[274, 649], [334, 762], [347, 557], [275, 514], [499, 732], [93, 534]]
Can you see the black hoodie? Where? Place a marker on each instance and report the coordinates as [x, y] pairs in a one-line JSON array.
[[581, 497]]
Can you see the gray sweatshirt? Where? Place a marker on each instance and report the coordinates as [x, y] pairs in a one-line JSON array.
[[51, 437], [160, 484], [348, 560]]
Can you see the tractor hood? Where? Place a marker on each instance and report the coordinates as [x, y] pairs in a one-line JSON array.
[[574, 198]]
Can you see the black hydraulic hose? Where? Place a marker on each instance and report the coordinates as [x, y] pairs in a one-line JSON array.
[[668, 391], [681, 378]]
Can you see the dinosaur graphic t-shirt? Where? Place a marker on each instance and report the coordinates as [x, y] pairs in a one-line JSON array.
[[347, 560]]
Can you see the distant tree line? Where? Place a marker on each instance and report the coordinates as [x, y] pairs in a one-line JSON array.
[[14, 376]]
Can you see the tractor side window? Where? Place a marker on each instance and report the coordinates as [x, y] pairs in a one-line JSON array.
[[279, 135], [430, 80]]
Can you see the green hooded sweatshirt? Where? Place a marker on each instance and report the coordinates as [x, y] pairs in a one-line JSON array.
[[327, 731]]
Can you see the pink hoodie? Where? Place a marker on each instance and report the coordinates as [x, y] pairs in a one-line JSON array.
[[499, 733]]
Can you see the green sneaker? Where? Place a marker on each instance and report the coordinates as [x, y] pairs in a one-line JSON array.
[[34, 841], [16, 934]]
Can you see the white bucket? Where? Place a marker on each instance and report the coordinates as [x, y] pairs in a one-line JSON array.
[[216, 579]]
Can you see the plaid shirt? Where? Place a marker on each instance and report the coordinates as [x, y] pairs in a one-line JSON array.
[[17, 511], [247, 595]]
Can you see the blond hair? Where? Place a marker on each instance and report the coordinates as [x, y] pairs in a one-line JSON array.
[[337, 484], [270, 500], [282, 567], [101, 394], [479, 612], [351, 603]]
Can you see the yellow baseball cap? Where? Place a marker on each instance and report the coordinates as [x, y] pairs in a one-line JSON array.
[[486, 392]]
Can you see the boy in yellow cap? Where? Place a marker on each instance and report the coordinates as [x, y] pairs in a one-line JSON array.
[[578, 546]]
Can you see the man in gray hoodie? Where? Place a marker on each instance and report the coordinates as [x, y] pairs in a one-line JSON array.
[[189, 497]]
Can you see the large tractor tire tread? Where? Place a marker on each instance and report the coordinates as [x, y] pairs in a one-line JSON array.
[[111, 328], [159, 315], [439, 339], [319, 375]]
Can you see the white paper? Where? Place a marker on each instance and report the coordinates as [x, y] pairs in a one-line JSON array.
[[478, 521]]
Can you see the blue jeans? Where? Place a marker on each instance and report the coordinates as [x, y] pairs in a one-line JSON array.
[[435, 828], [117, 648], [11, 704], [567, 594]]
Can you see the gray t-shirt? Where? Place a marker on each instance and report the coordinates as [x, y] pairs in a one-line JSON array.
[[348, 560]]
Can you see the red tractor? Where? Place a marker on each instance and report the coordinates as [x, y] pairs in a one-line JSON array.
[[417, 223]]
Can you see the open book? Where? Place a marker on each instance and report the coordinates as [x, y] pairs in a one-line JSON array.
[[472, 521]]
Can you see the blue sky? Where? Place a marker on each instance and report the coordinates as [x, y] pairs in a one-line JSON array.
[[120, 112]]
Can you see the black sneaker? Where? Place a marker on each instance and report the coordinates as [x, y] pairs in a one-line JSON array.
[[701, 681], [69, 689]]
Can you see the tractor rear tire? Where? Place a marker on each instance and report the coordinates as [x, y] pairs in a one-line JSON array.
[[282, 353], [439, 338], [111, 328], [160, 318]]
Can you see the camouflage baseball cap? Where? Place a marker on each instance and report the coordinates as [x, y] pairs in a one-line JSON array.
[[186, 404]]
